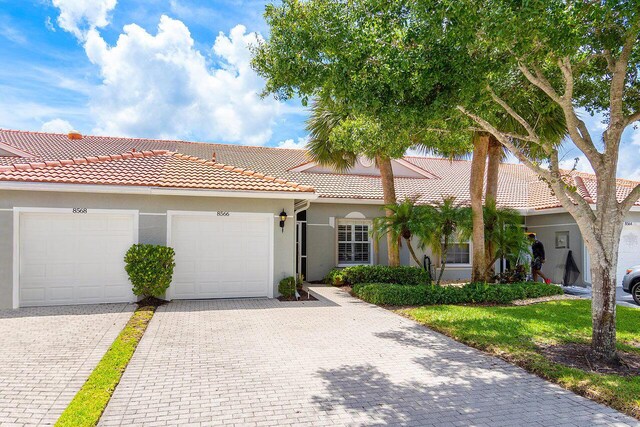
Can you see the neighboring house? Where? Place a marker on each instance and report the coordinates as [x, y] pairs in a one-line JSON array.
[[71, 205]]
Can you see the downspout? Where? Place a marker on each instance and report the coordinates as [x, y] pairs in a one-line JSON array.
[[303, 207]]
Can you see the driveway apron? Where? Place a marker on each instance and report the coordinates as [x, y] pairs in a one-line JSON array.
[[46, 355], [336, 361]]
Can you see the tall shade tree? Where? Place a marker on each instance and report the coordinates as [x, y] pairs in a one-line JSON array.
[[415, 60], [580, 55]]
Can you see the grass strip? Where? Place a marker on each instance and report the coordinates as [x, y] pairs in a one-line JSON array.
[[517, 334], [89, 403]]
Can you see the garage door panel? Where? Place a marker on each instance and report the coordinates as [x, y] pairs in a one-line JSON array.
[[70, 258], [58, 272], [59, 294], [33, 294], [629, 250], [221, 257]]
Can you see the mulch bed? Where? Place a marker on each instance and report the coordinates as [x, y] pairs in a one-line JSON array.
[[578, 356], [151, 302], [304, 296], [544, 299]]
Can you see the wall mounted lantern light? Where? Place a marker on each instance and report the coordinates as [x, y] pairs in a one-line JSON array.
[[283, 218]]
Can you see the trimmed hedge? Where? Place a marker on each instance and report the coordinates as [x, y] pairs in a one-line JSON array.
[[391, 294], [378, 274]]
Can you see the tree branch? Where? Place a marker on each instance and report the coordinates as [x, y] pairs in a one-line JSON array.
[[540, 81], [571, 196], [618, 77], [533, 137], [567, 75], [506, 142], [577, 130], [611, 66], [634, 117], [630, 200], [578, 207]]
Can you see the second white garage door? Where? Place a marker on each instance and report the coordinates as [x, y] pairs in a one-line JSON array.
[[221, 255], [629, 250]]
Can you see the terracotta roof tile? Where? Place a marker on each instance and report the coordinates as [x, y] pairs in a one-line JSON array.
[[518, 187], [156, 169]]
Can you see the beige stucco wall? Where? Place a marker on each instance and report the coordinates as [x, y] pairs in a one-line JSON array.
[[152, 228], [322, 234], [546, 226], [321, 241]]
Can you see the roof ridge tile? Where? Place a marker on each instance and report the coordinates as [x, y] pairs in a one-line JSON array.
[[81, 160]]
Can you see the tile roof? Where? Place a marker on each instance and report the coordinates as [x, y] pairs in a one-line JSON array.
[[518, 186], [157, 168]]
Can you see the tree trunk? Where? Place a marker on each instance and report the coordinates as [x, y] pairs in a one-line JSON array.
[[389, 196], [443, 260], [476, 188], [603, 312], [412, 252], [493, 167]]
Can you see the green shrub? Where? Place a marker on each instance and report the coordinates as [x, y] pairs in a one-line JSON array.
[[392, 294], [287, 287], [389, 294], [334, 277], [403, 275], [150, 269]]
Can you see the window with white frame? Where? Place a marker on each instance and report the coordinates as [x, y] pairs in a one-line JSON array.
[[354, 242], [458, 253]]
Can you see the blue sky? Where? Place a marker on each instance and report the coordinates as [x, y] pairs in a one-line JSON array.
[[186, 59], [159, 69]]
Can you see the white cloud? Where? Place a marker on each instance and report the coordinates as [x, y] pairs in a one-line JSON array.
[[80, 16], [290, 143], [12, 33], [49, 24], [57, 126], [161, 86]]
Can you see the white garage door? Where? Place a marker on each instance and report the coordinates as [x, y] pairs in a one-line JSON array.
[[220, 256], [74, 258], [629, 251]]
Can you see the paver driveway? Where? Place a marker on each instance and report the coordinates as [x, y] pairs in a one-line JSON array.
[[333, 362], [47, 353]]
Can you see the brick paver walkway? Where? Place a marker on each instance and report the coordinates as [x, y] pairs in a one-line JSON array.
[[47, 353], [337, 361]]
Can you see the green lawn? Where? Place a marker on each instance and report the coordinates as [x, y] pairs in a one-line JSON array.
[[87, 406], [514, 333]]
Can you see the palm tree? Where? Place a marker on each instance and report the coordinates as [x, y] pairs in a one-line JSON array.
[[442, 224], [503, 232], [476, 187], [405, 221], [487, 152], [326, 115]]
